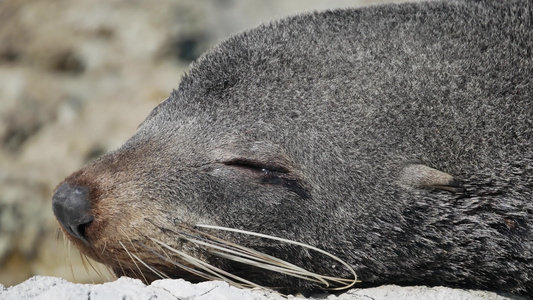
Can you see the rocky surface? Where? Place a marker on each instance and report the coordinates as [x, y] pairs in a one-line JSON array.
[[44, 288]]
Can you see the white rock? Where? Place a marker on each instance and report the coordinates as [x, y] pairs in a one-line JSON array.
[[52, 288]]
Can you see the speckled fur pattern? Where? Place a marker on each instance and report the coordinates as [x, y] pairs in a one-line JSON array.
[[302, 129]]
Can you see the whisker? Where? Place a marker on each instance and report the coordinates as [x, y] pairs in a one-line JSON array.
[[204, 266], [133, 260], [120, 265], [277, 265], [216, 272], [66, 245], [93, 267], [192, 261], [97, 269], [271, 267], [154, 270], [68, 249], [211, 275], [262, 260], [72, 271], [84, 263], [166, 257], [104, 248], [169, 260], [228, 250], [348, 282]]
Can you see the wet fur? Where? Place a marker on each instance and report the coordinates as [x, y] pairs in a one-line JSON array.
[[312, 128]]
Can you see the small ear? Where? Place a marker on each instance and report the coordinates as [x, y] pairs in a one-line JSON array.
[[417, 175]]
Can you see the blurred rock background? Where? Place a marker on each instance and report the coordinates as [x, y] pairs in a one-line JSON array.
[[76, 78]]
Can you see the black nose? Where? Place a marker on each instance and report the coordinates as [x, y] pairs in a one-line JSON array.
[[71, 205]]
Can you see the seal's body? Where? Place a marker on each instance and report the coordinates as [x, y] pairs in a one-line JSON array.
[[397, 138]]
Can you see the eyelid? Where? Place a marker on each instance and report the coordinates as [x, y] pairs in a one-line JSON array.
[[272, 174], [255, 165]]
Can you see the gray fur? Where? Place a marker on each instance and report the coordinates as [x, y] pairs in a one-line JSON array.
[[302, 129]]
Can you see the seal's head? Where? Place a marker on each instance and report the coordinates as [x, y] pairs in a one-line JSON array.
[[394, 141]]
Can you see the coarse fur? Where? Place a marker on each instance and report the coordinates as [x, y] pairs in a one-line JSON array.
[[397, 138]]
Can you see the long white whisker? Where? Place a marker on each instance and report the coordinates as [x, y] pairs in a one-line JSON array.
[[133, 260], [351, 281], [169, 260], [193, 261], [263, 261], [285, 266], [218, 273], [306, 275], [196, 262]]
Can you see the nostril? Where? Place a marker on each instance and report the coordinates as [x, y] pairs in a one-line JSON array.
[[80, 230], [71, 206]]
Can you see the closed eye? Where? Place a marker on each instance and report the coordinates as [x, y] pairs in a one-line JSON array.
[[257, 166], [272, 174]]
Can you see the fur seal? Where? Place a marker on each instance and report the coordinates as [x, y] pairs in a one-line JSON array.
[[393, 141]]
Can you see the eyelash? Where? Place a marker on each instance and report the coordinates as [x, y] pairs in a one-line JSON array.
[[272, 175], [244, 163]]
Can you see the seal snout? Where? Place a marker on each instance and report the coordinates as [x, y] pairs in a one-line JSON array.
[[71, 206]]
